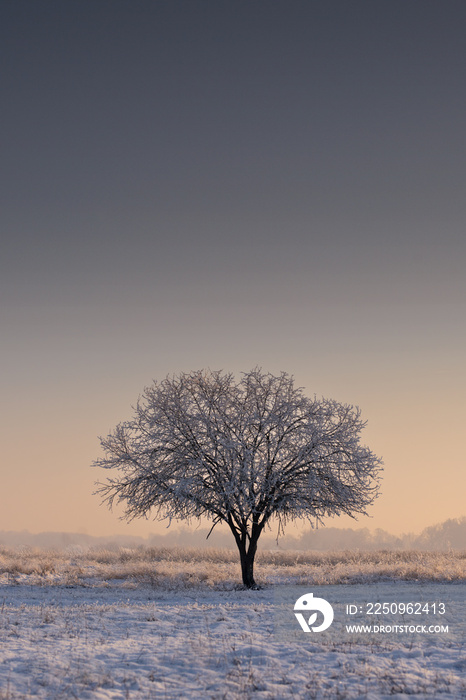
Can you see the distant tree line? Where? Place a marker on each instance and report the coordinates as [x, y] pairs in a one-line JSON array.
[[450, 534]]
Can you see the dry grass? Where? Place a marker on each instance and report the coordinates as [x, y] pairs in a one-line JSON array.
[[219, 568]]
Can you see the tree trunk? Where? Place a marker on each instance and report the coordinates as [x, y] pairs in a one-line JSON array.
[[247, 553], [247, 565]]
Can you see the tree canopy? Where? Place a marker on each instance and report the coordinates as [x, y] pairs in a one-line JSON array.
[[244, 452]]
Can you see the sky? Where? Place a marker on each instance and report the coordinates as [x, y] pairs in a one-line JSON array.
[[193, 184]]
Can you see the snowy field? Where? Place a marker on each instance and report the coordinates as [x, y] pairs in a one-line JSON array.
[[174, 624]]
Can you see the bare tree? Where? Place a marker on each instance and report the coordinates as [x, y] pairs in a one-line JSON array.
[[203, 445]]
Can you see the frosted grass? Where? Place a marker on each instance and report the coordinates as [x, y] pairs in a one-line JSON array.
[[159, 623], [219, 568]]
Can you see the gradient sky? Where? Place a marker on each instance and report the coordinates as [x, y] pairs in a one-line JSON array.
[[224, 184]]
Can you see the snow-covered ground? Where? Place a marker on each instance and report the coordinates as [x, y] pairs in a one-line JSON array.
[[124, 638]]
